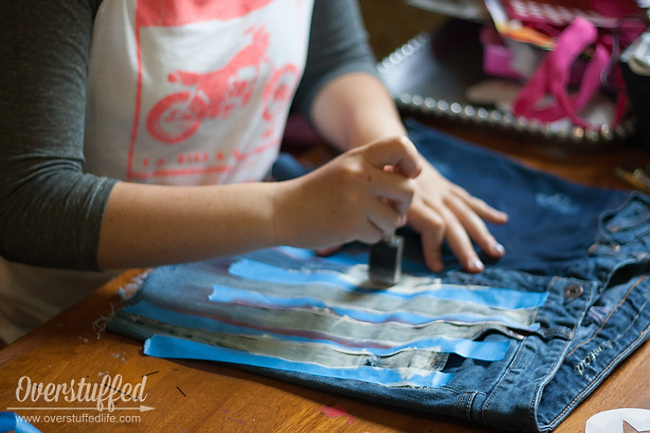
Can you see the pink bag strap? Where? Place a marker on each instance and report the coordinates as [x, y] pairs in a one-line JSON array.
[[553, 74]]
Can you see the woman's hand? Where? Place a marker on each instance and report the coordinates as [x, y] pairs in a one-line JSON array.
[[353, 197], [355, 109], [441, 211]]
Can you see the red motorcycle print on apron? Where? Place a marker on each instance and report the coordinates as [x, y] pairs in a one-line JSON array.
[[214, 95]]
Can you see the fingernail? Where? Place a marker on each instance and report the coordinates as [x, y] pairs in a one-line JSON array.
[[477, 265], [499, 248]]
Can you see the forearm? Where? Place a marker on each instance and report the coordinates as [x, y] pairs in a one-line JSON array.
[[149, 225], [355, 109]]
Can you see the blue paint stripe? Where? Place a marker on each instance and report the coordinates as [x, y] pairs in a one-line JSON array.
[[233, 295], [483, 295], [171, 347], [480, 350]]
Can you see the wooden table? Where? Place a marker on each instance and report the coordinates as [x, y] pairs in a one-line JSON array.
[[188, 396]]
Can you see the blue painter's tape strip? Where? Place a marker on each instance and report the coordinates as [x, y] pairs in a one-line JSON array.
[[171, 347], [483, 295], [232, 295], [480, 350], [12, 422], [298, 253], [258, 271]]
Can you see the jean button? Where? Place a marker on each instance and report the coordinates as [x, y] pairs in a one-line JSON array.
[[573, 291]]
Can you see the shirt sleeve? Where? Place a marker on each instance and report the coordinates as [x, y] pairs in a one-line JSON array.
[[50, 210], [338, 44]]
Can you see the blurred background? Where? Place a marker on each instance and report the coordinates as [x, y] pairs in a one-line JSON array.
[[391, 23]]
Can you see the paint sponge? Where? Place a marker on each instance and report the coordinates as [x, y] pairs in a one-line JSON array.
[[385, 261]]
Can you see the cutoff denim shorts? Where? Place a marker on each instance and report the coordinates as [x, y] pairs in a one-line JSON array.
[[584, 249]]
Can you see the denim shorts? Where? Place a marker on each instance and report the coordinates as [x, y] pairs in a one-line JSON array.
[[518, 346]]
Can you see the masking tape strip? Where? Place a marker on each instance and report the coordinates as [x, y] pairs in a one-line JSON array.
[[313, 323], [483, 295], [378, 302], [171, 347], [233, 295], [480, 350]]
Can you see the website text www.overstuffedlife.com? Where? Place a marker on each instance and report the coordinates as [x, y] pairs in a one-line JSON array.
[[92, 402], [84, 418]]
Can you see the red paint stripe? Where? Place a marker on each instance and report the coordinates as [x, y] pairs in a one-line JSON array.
[[296, 332]]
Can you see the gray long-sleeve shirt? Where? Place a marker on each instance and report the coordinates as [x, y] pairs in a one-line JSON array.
[[50, 209]]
